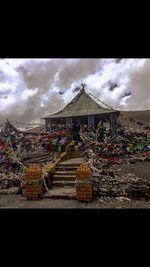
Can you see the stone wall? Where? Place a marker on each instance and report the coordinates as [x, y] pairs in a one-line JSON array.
[[127, 186], [107, 182], [10, 180]]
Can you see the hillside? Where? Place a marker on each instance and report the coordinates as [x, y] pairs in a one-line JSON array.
[[38, 129], [131, 119], [141, 116]]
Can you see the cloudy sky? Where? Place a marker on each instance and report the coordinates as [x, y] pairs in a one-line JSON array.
[[33, 88]]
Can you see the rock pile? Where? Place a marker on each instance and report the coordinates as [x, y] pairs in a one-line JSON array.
[[124, 186], [9, 180], [108, 183]]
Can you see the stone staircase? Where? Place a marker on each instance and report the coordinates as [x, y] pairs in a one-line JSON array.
[[65, 172], [63, 183], [38, 156]]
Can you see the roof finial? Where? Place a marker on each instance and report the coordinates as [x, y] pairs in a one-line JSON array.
[[83, 86]]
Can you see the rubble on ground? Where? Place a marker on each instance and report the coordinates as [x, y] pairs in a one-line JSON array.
[[124, 186], [11, 183], [107, 199], [108, 183]]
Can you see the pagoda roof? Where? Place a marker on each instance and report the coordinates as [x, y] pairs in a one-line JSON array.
[[83, 104]]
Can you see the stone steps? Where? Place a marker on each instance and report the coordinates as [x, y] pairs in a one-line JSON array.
[[61, 193], [64, 178], [77, 154], [38, 158], [73, 165], [64, 173], [63, 183], [68, 168]]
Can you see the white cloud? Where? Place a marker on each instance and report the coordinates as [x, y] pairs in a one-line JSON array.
[[28, 93]]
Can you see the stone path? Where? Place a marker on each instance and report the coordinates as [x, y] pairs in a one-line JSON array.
[[66, 172], [64, 180], [16, 201], [62, 192], [38, 156], [73, 161]]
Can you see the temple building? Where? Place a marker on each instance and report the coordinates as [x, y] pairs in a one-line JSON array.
[[86, 109]]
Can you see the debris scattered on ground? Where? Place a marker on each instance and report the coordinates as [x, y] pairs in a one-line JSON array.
[[123, 199], [9, 191], [8, 180], [106, 182]]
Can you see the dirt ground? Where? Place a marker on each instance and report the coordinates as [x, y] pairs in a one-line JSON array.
[[140, 169], [18, 202]]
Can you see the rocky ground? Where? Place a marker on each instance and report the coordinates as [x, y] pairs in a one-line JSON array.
[[17, 201], [140, 169]]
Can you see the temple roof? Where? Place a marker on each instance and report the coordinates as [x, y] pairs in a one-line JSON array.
[[82, 104]]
